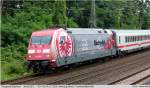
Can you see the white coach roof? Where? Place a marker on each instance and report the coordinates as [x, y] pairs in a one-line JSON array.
[[132, 32]]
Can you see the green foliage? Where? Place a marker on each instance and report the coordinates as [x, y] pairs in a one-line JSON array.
[[71, 23]]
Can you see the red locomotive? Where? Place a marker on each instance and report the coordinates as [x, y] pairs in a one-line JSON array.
[[56, 47]]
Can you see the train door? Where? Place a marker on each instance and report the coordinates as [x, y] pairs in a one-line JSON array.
[[113, 51]]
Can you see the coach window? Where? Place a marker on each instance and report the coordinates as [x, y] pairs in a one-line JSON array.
[[135, 38], [138, 38], [127, 38], [119, 40], [131, 38]]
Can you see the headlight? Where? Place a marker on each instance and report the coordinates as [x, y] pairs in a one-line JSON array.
[[31, 51], [46, 50], [53, 60]]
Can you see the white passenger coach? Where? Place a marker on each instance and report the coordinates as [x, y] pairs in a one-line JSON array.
[[130, 40]]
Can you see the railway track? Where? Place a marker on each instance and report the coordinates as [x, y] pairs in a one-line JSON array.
[[135, 78], [98, 75], [105, 73]]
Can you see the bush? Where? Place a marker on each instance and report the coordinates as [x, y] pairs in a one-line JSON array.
[[12, 61]]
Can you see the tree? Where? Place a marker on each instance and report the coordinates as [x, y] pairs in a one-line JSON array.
[[59, 16]]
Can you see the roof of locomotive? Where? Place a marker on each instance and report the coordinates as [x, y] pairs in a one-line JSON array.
[[44, 32], [86, 30]]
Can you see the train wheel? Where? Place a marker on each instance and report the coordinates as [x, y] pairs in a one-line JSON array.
[[104, 60], [38, 69], [35, 69]]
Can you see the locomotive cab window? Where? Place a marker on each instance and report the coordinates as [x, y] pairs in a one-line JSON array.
[[41, 39]]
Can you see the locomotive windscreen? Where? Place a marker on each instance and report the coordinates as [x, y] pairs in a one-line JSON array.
[[41, 39]]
